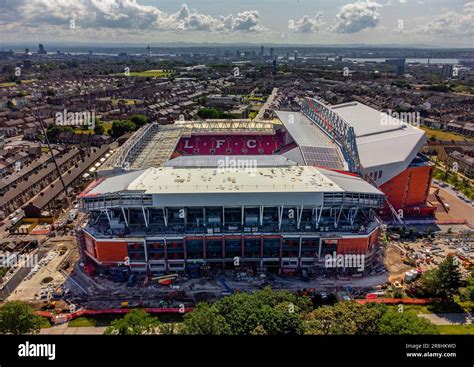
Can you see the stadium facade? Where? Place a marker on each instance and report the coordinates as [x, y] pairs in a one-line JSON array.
[[278, 195]]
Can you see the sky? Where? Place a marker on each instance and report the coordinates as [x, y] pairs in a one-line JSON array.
[[442, 23]]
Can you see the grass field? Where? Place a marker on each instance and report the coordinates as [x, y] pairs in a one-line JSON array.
[[107, 126], [443, 135], [106, 320], [82, 322], [81, 131], [128, 102], [456, 329]]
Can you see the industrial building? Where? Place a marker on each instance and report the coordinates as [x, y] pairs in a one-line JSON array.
[[276, 195]]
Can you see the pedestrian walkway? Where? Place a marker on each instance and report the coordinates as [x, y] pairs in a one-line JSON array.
[[449, 318]]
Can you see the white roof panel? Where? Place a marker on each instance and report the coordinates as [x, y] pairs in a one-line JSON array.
[[209, 161], [267, 182]]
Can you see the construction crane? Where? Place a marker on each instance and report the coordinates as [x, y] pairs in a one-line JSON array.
[[40, 122]]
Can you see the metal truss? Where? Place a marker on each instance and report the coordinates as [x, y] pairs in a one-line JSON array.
[[336, 127], [227, 126]]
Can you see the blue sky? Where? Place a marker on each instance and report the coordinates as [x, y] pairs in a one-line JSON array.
[[431, 22]]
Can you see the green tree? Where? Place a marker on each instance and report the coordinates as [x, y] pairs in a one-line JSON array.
[[99, 129], [212, 113], [121, 127], [345, 318], [403, 323], [259, 330], [277, 313], [136, 322], [139, 120], [168, 329], [244, 312], [469, 293], [280, 320], [55, 130], [205, 320], [17, 318], [443, 282], [449, 278]]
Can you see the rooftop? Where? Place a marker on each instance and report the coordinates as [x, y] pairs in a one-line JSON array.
[[381, 139], [292, 179], [315, 146]]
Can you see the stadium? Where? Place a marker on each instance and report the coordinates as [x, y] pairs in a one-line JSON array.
[[272, 195]]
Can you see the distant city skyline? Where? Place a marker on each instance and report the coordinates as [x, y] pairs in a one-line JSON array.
[[439, 23]]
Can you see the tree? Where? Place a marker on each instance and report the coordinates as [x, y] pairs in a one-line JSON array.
[[139, 120], [205, 320], [469, 292], [55, 130], [259, 330], [17, 318], [212, 113], [244, 312], [168, 329], [427, 284], [345, 318], [402, 323], [99, 129], [443, 282], [449, 278], [280, 320], [275, 313], [121, 127], [136, 322]]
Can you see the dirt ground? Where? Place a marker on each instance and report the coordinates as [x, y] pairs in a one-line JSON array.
[[393, 261], [29, 289]]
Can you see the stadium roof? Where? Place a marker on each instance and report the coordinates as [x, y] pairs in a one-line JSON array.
[[150, 146], [382, 140], [210, 161], [316, 148], [280, 180], [384, 143]]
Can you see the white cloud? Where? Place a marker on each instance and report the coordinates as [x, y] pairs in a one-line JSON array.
[[307, 25], [451, 23], [247, 21], [119, 14], [355, 17]]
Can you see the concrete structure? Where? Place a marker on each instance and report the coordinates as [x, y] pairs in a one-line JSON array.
[[281, 218]]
